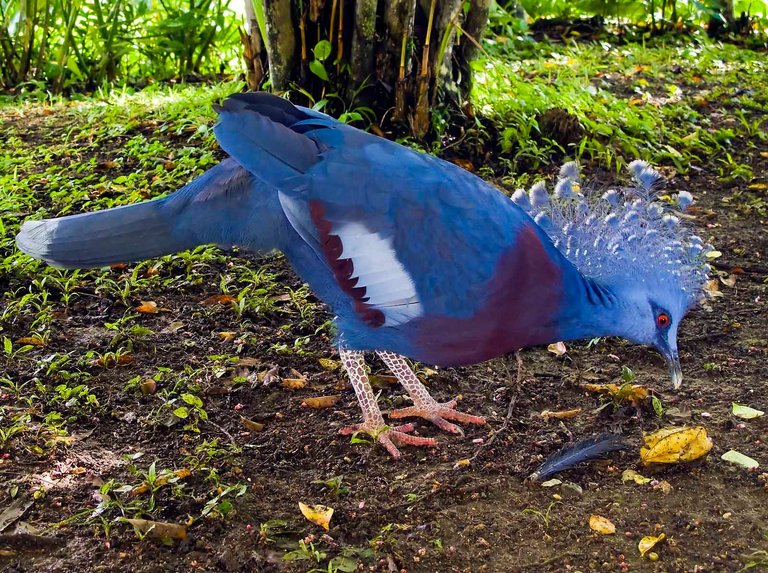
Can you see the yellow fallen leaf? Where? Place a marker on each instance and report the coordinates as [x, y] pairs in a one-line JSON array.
[[560, 414], [251, 425], [31, 341], [317, 514], [557, 348], [320, 402], [328, 364], [632, 393], [758, 186], [601, 525], [382, 380], [632, 475], [147, 307], [294, 383], [675, 445], [161, 481], [218, 299], [649, 542], [159, 530], [227, 335], [712, 288]]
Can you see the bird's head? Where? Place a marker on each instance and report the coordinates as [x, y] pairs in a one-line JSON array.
[[631, 243], [653, 322]]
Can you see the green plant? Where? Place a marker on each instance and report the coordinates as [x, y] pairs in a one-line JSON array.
[[335, 485]]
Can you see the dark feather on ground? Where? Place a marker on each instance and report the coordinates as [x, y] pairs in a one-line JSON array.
[[582, 451]]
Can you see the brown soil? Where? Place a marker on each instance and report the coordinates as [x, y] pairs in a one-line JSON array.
[[424, 512]]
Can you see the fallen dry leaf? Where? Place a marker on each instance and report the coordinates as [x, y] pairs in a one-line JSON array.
[[382, 380], [632, 475], [729, 281], [161, 481], [712, 288], [147, 307], [649, 542], [227, 335], [675, 445], [110, 360], [664, 487], [320, 402], [632, 393], [317, 514], [251, 425], [601, 525], [158, 530], [328, 364], [218, 299], [560, 414], [464, 164], [557, 348], [31, 341], [294, 383]]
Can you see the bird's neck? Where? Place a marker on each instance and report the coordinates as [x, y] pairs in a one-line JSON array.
[[591, 310]]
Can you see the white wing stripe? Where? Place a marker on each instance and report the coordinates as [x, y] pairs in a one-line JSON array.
[[389, 287]]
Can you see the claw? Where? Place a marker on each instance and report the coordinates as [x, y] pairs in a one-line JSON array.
[[439, 414], [388, 436]]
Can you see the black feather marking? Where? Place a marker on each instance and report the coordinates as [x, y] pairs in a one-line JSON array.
[[582, 451]]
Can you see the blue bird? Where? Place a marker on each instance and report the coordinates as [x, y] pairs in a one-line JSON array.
[[415, 256]]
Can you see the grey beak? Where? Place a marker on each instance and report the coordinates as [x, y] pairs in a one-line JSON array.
[[675, 372]]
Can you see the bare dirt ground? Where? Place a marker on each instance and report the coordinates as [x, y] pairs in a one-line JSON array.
[[429, 511]]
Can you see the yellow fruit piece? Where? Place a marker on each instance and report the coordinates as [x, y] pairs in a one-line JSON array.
[[317, 514], [601, 525], [649, 542], [675, 445]]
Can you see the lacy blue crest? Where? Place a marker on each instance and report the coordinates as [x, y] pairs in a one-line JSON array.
[[625, 235]]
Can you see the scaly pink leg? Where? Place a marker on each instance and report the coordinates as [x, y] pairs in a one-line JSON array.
[[424, 405], [373, 422]]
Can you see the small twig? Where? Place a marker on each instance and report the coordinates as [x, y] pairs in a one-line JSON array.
[[537, 566], [754, 270], [510, 407], [223, 431], [710, 336]]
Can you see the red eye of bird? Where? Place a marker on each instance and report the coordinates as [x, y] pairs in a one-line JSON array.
[[662, 320]]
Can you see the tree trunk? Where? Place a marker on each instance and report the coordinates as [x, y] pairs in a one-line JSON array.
[[252, 48], [281, 42], [474, 26], [400, 59], [394, 63], [363, 41]]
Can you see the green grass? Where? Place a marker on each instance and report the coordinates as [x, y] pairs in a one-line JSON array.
[[654, 102]]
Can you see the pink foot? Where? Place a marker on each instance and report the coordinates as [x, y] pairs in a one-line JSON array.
[[439, 414], [388, 436]]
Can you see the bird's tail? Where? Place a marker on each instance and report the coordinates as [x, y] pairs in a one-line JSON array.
[[120, 235], [205, 211]]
